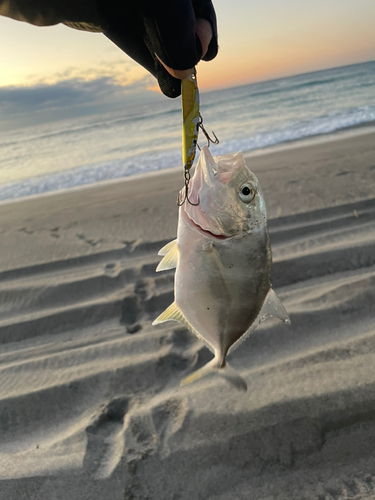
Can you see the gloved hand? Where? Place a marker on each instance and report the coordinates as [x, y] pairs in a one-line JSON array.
[[149, 31], [153, 30]]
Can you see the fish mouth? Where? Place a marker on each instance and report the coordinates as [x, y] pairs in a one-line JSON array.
[[206, 232]]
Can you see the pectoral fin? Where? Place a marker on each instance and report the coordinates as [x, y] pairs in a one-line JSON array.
[[167, 247], [169, 261]]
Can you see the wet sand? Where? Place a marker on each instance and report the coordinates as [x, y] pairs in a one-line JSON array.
[[90, 397]]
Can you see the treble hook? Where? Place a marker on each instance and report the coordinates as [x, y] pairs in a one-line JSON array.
[[181, 201], [209, 140]]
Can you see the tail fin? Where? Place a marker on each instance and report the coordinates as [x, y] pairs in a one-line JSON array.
[[226, 371]]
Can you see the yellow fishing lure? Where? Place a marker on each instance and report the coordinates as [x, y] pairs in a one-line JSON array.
[[190, 119]]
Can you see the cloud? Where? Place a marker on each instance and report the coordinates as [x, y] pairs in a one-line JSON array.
[[120, 71], [23, 106]]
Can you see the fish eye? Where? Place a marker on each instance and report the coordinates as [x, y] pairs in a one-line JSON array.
[[247, 192]]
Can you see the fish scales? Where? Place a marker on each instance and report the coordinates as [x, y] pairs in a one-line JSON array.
[[223, 261]]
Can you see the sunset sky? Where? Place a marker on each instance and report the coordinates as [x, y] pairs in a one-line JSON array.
[[258, 41]]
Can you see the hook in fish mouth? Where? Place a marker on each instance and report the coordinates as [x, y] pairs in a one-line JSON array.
[[181, 199], [185, 197]]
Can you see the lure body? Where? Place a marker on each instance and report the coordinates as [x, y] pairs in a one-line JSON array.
[[223, 261], [190, 119]]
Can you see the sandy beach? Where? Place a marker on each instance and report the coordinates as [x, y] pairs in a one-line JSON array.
[[90, 403]]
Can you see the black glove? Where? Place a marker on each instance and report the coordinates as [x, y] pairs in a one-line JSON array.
[[142, 28]]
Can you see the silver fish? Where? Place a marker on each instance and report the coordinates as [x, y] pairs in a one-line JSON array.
[[223, 259]]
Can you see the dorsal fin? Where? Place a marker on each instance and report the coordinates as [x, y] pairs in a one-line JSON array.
[[169, 261], [167, 247], [174, 313], [271, 308]]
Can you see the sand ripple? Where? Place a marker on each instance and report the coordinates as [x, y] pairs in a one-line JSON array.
[[88, 389]]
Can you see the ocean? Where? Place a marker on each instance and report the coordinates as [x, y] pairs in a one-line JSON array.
[[147, 137]]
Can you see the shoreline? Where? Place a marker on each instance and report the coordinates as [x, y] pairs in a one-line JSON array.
[[338, 135], [294, 181]]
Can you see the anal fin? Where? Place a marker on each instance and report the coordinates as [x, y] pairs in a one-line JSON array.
[[273, 308], [169, 261]]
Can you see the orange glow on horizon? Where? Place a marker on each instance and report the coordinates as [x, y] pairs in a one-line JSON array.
[[258, 41], [273, 61]]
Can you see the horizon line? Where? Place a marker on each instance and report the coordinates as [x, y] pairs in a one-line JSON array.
[[285, 77]]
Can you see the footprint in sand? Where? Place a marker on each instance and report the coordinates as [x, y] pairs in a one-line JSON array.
[[102, 450], [131, 313]]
